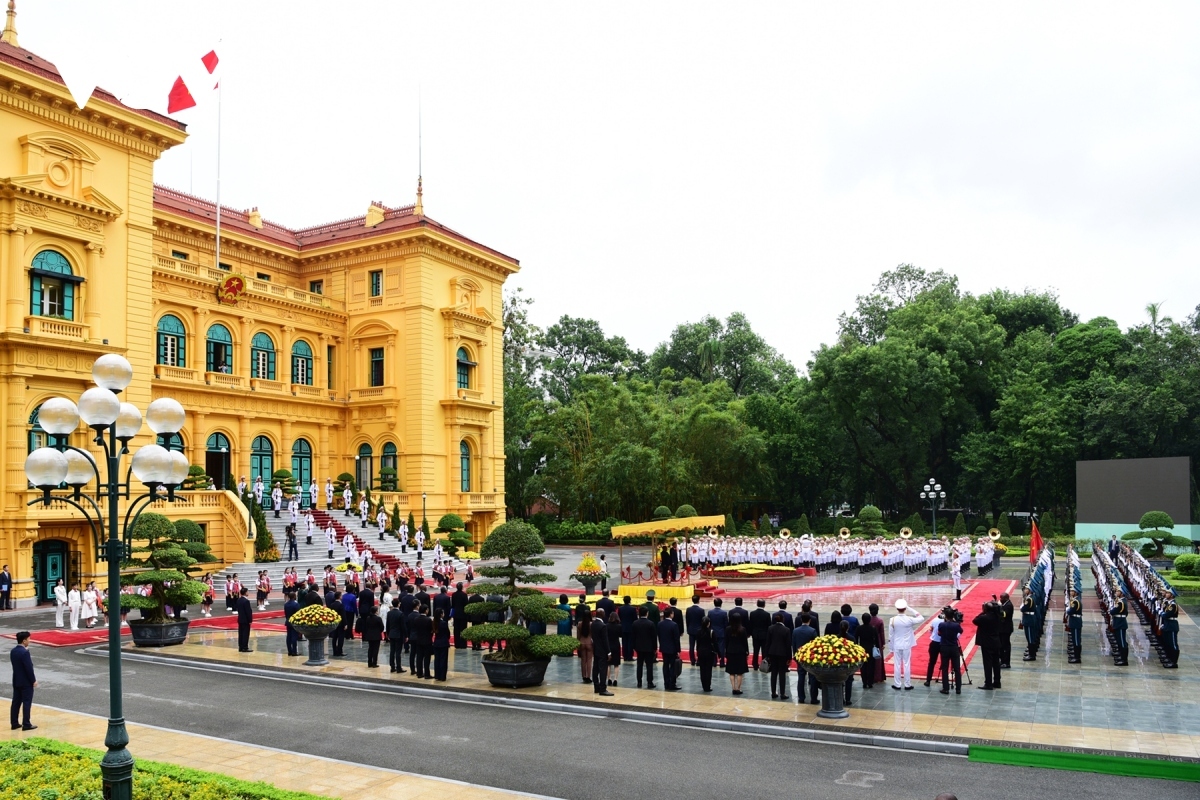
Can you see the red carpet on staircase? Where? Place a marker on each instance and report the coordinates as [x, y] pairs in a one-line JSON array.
[[976, 593]]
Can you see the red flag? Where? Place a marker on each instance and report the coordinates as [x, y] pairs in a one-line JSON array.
[[210, 61], [1035, 542], [179, 98]]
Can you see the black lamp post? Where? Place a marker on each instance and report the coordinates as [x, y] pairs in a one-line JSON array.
[[68, 468], [932, 494], [424, 497]]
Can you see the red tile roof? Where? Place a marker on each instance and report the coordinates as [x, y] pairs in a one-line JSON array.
[[306, 239], [34, 64]]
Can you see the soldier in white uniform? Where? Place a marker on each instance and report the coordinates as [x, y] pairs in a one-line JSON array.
[[903, 638], [348, 500], [258, 489], [331, 538], [312, 493], [382, 519], [276, 499], [364, 509], [329, 494]]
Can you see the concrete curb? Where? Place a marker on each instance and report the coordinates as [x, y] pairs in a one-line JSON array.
[[730, 724]]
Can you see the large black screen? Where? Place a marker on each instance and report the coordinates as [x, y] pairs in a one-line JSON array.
[[1121, 490]]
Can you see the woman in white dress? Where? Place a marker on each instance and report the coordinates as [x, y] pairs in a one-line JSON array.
[[60, 602], [90, 603]]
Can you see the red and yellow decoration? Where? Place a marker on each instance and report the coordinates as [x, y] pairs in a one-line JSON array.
[[230, 289], [831, 651]]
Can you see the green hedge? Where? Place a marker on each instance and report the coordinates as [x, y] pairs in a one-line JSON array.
[[1188, 565], [44, 769]]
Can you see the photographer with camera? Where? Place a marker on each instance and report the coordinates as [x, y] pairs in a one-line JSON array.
[[949, 630]]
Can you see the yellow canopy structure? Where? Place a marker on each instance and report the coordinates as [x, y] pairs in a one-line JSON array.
[[662, 526]]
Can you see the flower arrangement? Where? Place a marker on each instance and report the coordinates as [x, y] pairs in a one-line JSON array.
[[315, 615], [589, 570], [831, 652], [469, 555], [342, 567]]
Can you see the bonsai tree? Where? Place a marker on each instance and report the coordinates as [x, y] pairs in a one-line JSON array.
[[163, 563], [520, 546], [662, 512], [387, 479], [196, 479], [458, 538], [1151, 527], [870, 521]]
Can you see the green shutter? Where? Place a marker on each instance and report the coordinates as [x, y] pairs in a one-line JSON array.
[[35, 296], [68, 291]]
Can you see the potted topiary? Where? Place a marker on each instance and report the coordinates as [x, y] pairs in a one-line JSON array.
[[831, 660], [457, 538], [170, 551], [523, 655]]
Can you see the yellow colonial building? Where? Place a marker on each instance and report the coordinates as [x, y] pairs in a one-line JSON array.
[[370, 346]]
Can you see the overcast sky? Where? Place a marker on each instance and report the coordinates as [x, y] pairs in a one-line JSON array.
[[651, 163]]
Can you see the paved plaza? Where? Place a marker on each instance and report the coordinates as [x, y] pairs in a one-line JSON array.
[[1139, 709]]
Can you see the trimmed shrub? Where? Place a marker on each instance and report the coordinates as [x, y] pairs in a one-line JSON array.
[[764, 525], [450, 522], [662, 512], [1188, 564], [685, 510], [870, 520]]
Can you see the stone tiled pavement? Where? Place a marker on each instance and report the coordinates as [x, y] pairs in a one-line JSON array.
[[1137, 709], [284, 769]]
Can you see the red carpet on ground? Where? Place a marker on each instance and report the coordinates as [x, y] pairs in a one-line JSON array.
[[975, 594], [62, 637]]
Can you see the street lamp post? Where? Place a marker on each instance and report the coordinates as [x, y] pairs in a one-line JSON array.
[[63, 465], [932, 494], [424, 497]]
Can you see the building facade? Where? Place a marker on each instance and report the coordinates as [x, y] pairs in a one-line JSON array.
[[370, 346]]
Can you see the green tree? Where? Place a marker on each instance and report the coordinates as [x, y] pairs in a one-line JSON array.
[[162, 557], [1157, 526], [960, 525], [870, 520], [518, 544], [523, 402], [731, 351], [1005, 529]]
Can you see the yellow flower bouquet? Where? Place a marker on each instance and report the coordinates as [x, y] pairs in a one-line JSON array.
[[830, 652], [315, 616], [589, 570]]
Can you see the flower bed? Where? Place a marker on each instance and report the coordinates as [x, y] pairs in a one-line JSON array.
[[48, 770]]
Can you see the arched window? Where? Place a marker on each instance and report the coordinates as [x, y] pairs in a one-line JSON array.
[[172, 342], [464, 462], [364, 468], [262, 460], [37, 436], [387, 461], [465, 367], [171, 441], [220, 349], [262, 358], [302, 363], [217, 443], [52, 286]]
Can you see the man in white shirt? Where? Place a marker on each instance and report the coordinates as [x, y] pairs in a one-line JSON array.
[[382, 519], [348, 500], [903, 638], [331, 538], [74, 604], [312, 493], [328, 494]]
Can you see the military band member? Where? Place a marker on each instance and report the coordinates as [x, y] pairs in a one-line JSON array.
[[1029, 625], [1169, 627]]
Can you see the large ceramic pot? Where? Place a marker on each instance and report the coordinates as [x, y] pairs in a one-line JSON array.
[[158, 634], [516, 675], [316, 635], [589, 587], [833, 688]]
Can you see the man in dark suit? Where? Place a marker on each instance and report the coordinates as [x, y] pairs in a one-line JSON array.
[[788, 622], [396, 635], [337, 639], [420, 637], [458, 603], [24, 681], [366, 599], [987, 636], [779, 654], [627, 613], [411, 623], [804, 633], [6, 584], [739, 612], [293, 636], [814, 619], [443, 603], [720, 621], [693, 618], [949, 631], [245, 613], [600, 657], [670, 647], [1006, 629], [644, 636], [760, 621], [606, 603], [372, 634]]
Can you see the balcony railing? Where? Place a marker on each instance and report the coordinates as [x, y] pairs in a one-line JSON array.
[[304, 390], [166, 373], [264, 385], [373, 393], [58, 328], [253, 285], [477, 500], [221, 379]]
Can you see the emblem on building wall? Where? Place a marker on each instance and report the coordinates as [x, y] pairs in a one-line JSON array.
[[230, 289]]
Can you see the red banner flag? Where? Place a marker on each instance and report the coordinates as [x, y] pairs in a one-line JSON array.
[[210, 61], [179, 98], [1035, 542]]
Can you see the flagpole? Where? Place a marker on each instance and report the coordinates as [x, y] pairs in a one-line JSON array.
[[218, 250]]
